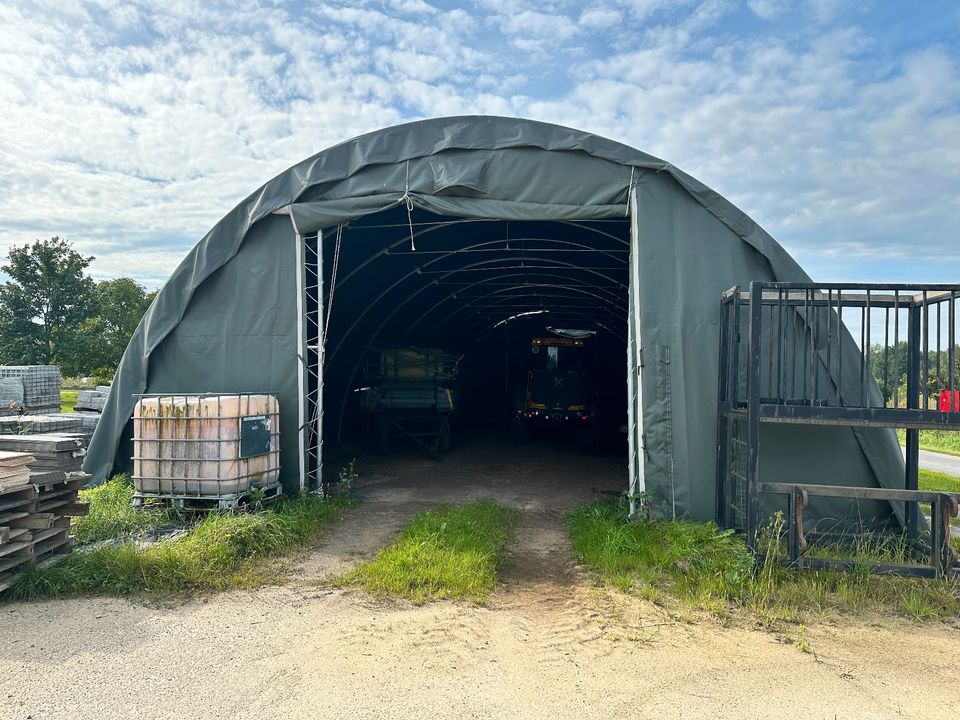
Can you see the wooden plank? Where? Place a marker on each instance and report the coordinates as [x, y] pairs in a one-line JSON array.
[[60, 492], [33, 521], [18, 534], [45, 442], [58, 502], [8, 563], [55, 554], [48, 478], [853, 492], [14, 484], [6, 515], [43, 549], [10, 459], [23, 503], [24, 547], [71, 483], [40, 535], [27, 490], [76, 509], [7, 471]]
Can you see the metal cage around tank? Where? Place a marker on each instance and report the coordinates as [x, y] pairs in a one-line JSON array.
[[213, 459]]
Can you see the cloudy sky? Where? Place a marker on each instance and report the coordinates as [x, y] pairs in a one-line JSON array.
[[130, 128]]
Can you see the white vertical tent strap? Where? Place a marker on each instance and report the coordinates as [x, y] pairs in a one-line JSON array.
[[302, 383], [635, 366]]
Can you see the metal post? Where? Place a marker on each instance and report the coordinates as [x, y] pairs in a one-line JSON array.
[[635, 363], [321, 364], [302, 383], [753, 415], [722, 417], [912, 509]]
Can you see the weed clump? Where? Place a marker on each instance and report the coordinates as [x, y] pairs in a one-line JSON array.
[[220, 552], [712, 570], [112, 514]]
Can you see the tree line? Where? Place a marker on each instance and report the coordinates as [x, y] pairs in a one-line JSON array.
[[53, 313], [889, 365]]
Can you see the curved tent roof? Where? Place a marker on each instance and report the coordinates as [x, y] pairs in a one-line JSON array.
[[457, 168]]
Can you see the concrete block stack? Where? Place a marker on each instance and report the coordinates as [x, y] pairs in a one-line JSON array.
[[93, 399], [40, 386], [11, 395]]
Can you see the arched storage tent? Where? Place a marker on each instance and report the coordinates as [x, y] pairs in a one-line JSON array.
[[434, 233]]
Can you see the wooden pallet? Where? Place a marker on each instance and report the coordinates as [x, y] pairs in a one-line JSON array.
[[35, 522]]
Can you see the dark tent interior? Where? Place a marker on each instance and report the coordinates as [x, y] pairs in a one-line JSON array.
[[480, 289]]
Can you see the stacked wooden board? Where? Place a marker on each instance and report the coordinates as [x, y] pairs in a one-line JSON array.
[[50, 451], [35, 512]]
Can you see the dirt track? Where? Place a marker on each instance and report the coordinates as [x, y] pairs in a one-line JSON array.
[[547, 645]]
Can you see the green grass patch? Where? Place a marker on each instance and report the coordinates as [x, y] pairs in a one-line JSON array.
[[447, 552], [942, 441], [709, 569], [223, 550], [112, 513], [930, 480], [68, 400]]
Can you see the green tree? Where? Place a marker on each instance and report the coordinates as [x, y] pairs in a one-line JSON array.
[[120, 304], [45, 302]]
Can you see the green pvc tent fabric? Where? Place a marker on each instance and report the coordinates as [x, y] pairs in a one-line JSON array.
[[227, 319]]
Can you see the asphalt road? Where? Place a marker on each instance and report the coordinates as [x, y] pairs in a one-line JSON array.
[[939, 462]]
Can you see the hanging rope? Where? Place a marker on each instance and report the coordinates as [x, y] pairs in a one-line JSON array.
[[333, 285], [408, 202]]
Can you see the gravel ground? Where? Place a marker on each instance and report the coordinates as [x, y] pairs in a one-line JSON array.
[[547, 645]]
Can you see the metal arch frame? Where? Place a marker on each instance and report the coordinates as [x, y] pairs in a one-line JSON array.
[[353, 374], [456, 339], [416, 271], [457, 294], [478, 325], [403, 241], [454, 295]]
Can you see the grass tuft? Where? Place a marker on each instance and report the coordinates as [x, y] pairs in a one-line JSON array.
[[447, 552], [697, 563], [222, 551], [932, 480], [701, 566], [112, 513], [68, 400]]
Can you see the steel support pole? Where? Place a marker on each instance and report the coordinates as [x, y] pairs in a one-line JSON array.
[[912, 464], [753, 416]]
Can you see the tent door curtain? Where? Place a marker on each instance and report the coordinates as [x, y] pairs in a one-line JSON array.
[[311, 330], [635, 436]]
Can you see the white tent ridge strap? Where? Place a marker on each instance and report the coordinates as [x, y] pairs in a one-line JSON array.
[[226, 320]]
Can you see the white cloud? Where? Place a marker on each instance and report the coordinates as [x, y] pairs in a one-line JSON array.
[[599, 18], [766, 9], [132, 128]]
